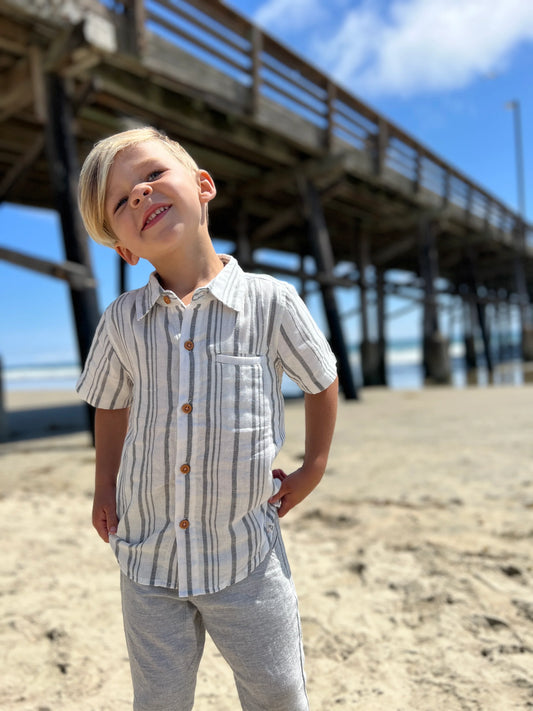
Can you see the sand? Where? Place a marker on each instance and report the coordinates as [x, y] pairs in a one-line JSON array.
[[413, 560]]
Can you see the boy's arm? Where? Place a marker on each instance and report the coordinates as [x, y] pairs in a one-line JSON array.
[[320, 415], [110, 428]]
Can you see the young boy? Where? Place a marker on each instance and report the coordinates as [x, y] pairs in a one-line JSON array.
[[185, 374]]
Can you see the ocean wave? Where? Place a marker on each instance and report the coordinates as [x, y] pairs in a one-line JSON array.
[[42, 376]]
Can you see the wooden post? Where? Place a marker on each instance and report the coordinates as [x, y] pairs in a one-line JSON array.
[[330, 101], [479, 307], [446, 188], [372, 358], [381, 317], [122, 278], [381, 145], [469, 337], [485, 335], [62, 159], [325, 261], [499, 321], [436, 357], [243, 247], [523, 294], [303, 278], [417, 181], [136, 17], [363, 286]]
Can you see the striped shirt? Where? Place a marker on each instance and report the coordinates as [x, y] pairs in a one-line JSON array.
[[203, 384]]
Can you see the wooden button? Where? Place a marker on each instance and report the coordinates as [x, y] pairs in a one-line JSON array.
[[189, 345], [184, 524], [185, 469], [167, 299], [187, 408]]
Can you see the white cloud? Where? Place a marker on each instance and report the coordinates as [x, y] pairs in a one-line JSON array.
[[404, 47], [289, 16]]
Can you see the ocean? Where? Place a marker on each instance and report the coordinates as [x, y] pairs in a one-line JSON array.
[[404, 371]]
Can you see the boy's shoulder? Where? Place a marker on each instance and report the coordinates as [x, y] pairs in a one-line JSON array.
[[128, 307], [126, 300], [267, 284]]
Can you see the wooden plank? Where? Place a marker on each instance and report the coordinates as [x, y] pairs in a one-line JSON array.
[[21, 167], [15, 89], [180, 32], [77, 275], [205, 24], [196, 76], [221, 13], [292, 77], [320, 112], [278, 222], [294, 63]]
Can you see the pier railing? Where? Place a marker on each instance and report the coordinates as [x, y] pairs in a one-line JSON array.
[[210, 31]]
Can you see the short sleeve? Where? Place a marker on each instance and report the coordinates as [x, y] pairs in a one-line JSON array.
[[304, 352], [104, 381]]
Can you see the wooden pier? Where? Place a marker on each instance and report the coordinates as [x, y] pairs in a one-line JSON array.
[[301, 165]]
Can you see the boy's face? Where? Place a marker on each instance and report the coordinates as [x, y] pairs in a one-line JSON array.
[[154, 204]]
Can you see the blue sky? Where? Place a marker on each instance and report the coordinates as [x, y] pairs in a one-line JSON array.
[[441, 69]]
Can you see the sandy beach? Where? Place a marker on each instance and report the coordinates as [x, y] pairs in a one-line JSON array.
[[413, 560]]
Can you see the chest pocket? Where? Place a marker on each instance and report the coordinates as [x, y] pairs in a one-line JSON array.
[[238, 359], [241, 389]]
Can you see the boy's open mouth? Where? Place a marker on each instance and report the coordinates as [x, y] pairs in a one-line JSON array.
[[155, 214]]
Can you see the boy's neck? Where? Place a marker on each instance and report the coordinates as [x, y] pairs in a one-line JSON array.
[[188, 275]]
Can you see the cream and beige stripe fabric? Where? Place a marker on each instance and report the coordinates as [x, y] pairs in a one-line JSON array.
[[203, 383]]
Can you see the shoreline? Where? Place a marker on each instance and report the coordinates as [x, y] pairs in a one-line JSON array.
[[403, 373], [40, 411], [413, 561]]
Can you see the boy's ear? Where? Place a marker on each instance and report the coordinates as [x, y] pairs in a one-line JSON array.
[[127, 255], [207, 186]]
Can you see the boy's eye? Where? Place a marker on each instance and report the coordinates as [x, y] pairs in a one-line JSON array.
[[119, 204], [153, 175]]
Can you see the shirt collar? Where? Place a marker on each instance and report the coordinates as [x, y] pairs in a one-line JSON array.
[[227, 287]]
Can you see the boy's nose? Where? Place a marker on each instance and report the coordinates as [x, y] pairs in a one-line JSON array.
[[138, 193]]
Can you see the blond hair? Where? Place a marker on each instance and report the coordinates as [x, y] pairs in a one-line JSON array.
[[95, 172]]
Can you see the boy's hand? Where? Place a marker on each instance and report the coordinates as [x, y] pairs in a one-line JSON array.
[[105, 514], [279, 474], [294, 488]]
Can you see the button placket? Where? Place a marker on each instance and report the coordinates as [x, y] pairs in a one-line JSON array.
[[184, 484]]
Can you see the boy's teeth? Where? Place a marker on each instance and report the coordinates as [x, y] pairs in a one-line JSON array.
[[156, 213]]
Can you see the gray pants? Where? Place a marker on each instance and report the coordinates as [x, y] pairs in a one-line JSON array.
[[255, 625]]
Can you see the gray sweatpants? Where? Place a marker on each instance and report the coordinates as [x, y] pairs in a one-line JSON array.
[[255, 625]]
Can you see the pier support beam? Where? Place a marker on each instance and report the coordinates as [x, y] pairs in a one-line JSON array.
[[372, 352], [521, 287], [381, 316], [323, 255], [469, 319], [485, 335], [64, 171], [527, 344], [122, 277], [243, 251], [436, 356]]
